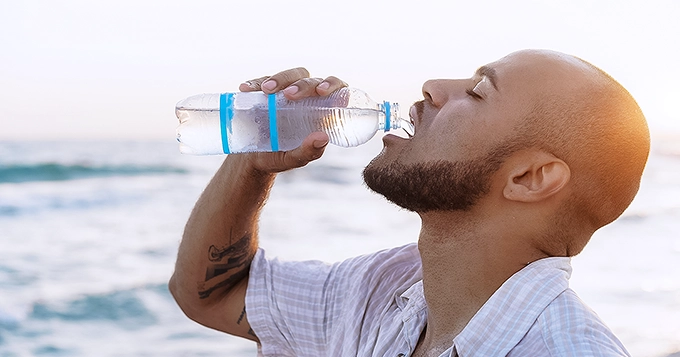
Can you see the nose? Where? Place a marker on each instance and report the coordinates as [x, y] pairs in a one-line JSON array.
[[439, 91]]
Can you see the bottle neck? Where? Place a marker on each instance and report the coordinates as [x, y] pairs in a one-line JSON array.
[[392, 119]]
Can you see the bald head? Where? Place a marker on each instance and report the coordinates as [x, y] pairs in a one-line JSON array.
[[586, 118]]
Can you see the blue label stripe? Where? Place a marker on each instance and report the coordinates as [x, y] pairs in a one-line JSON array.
[[388, 116], [226, 114], [273, 128]]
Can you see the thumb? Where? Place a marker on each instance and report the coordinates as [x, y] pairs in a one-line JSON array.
[[311, 149]]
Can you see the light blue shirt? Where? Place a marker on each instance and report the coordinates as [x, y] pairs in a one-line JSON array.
[[373, 305]]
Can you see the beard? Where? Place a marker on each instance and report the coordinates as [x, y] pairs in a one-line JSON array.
[[433, 186]]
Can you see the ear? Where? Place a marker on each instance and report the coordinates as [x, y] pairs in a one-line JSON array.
[[535, 176]]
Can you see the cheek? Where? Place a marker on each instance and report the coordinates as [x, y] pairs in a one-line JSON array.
[[460, 129]]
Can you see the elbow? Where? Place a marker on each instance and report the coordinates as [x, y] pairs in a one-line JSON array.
[[181, 297], [172, 287], [190, 303]]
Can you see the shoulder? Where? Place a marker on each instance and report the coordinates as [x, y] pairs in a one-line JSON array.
[[394, 266], [569, 327], [406, 256]]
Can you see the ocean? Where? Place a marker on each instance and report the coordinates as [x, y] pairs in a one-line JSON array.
[[89, 234]]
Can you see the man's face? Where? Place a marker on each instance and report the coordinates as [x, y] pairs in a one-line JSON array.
[[462, 127]]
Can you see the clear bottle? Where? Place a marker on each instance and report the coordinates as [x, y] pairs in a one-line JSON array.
[[253, 121]]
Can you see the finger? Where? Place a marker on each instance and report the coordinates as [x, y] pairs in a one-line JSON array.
[[311, 149], [252, 85], [330, 85], [284, 79], [306, 87]]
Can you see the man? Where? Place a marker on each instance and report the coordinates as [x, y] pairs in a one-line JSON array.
[[511, 172]]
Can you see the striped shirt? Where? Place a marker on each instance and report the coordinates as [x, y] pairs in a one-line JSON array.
[[373, 305]]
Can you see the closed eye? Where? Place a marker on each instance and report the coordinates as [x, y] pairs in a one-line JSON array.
[[472, 93], [479, 87]]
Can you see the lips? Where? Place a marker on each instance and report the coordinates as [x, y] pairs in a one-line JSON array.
[[409, 127], [413, 113]]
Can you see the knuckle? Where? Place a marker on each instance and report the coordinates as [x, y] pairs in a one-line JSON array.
[[290, 161], [335, 81], [289, 76], [301, 71], [308, 82]]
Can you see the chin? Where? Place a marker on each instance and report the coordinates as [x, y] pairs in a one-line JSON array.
[[395, 148]]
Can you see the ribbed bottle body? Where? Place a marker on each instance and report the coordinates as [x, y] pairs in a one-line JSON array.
[[348, 116]]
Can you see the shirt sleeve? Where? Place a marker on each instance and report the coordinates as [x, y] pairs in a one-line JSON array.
[[294, 307]]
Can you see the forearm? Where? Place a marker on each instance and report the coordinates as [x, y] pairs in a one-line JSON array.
[[220, 237]]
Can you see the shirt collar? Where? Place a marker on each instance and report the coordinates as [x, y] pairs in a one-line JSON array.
[[412, 301], [511, 311]]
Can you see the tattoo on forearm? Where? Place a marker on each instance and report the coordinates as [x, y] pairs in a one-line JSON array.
[[237, 257], [251, 332], [217, 254], [204, 293]]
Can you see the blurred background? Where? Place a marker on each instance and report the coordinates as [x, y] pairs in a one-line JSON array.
[[94, 194]]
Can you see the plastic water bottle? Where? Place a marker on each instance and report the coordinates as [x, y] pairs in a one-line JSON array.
[[253, 121]]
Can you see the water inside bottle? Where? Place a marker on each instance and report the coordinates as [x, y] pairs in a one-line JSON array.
[[199, 131]]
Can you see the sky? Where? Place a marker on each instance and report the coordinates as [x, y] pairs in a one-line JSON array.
[[116, 69]]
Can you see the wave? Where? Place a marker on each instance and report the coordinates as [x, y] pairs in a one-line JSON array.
[[59, 202], [124, 307], [61, 172]]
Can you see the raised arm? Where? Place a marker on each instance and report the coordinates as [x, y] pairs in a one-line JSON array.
[[221, 236]]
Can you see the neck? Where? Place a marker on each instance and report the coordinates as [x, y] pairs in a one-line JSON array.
[[465, 260]]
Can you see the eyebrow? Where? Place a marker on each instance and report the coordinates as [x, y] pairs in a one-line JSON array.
[[490, 73]]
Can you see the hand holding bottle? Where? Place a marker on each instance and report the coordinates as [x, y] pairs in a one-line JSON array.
[[296, 84]]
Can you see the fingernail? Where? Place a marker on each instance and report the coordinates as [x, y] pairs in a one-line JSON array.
[[324, 85], [291, 90], [318, 144], [269, 85]]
